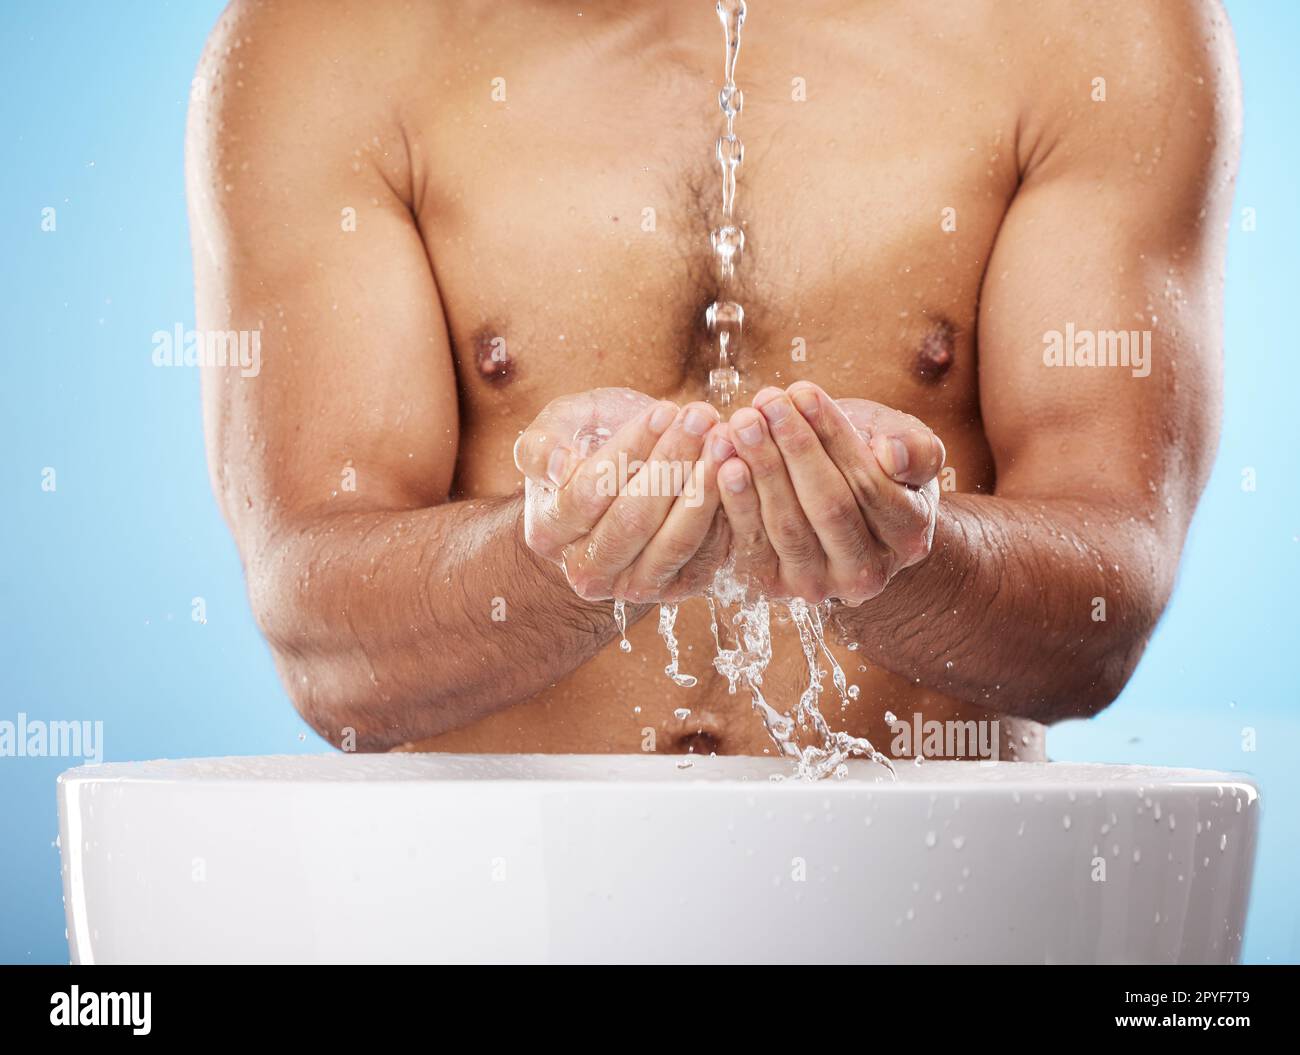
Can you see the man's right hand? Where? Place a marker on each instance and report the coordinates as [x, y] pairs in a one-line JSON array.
[[621, 491]]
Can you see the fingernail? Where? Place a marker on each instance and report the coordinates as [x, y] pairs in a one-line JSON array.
[[557, 466], [663, 416], [776, 410], [896, 455], [751, 435], [721, 449], [697, 422], [735, 480], [806, 400]]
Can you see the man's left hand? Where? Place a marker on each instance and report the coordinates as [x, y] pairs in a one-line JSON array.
[[828, 498]]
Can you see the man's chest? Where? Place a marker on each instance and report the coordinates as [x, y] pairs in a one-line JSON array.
[[570, 241]]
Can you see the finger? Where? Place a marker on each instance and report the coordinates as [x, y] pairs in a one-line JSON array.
[[686, 526], [573, 422], [892, 511], [825, 497], [699, 572], [755, 557], [907, 450], [589, 486], [800, 553], [644, 501]]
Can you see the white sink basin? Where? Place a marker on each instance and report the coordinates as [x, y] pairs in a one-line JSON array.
[[430, 858]]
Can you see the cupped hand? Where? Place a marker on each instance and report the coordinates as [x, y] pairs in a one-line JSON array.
[[621, 491], [826, 498]]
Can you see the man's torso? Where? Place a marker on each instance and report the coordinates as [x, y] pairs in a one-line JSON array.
[[565, 186]]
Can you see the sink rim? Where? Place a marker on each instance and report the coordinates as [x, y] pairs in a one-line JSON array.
[[749, 772]]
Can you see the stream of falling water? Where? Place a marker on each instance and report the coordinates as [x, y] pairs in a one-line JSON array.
[[725, 318], [749, 619]]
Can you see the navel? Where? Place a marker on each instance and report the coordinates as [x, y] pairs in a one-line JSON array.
[[698, 743]]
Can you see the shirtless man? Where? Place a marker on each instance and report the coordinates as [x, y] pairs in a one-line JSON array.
[[439, 218]]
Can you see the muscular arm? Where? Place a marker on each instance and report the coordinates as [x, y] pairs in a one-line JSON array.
[[1119, 224], [389, 608]]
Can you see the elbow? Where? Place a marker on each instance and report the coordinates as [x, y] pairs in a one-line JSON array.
[[331, 688], [341, 712], [1082, 687], [345, 708], [1105, 681], [1103, 672]]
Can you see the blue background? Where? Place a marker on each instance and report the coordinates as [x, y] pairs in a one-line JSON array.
[[98, 577]]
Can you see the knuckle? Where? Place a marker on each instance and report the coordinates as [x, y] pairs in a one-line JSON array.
[[798, 548], [588, 581], [677, 550], [789, 528], [799, 441], [864, 484], [628, 516], [633, 588], [764, 460], [691, 580], [809, 587], [869, 582], [580, 501], [750, 546], [841, 513]]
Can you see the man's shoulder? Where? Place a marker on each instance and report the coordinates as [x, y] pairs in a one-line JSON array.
[[1141, 79], [347, 41], [1145, 42], [290, 87]]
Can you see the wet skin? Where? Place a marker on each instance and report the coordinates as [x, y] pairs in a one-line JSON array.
[[947, 191]]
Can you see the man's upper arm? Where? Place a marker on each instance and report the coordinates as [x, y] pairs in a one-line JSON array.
[[1119, 225], [299, 184]]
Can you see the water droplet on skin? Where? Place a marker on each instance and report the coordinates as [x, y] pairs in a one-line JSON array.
[[682, 713]]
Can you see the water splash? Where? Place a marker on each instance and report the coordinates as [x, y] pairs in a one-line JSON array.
[[744, 656], [667, 620], [746, 661]]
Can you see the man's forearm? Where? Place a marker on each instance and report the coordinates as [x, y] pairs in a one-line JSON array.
[[404, 625], [1033, 608]]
